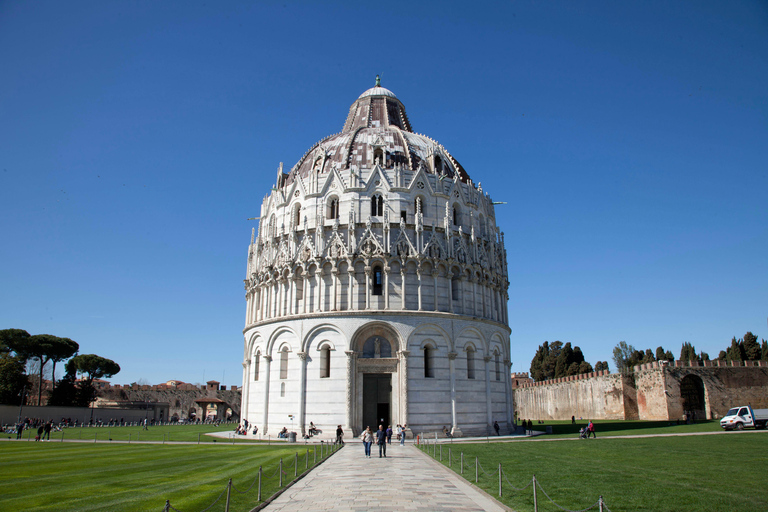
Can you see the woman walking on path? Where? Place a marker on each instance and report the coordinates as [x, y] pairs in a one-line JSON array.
[[367, 437]]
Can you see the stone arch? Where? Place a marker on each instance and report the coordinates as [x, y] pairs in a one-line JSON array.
[[253, 342], [376, 329], [693, 396], [472, 332], [419, 331], [278, 335], [320, 334]]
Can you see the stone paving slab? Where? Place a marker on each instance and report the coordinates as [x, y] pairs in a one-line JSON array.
[[406, 480]]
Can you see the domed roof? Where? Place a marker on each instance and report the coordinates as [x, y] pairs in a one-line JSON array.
[[377, 125], [377, 91]]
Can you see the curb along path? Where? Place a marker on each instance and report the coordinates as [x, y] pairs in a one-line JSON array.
[[405, 480]]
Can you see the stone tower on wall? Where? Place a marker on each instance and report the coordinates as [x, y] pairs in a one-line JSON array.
[[376, 287]]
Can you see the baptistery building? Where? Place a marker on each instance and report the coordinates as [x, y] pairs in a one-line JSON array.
[[376, 288]]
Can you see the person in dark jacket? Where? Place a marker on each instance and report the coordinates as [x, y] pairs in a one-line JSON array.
[[381, 440]]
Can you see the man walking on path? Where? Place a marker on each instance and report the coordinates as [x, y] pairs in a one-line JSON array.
[[591, 430], [381, 440], [47, 430], [402, 436]]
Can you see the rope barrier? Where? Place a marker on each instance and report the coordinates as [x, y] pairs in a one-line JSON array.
[[518, 489], [563, 508]]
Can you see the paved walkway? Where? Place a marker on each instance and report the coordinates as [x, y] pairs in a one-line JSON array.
[[406, 480]]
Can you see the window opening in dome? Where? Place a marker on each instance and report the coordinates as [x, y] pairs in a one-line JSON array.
[[333, 209], [325, 362], [455, 215], [378, 157], [284, 363], [498, 366], [455, 288], [404, 215], [470, 363], [429, 362], [377, 206], [438, 165], [376, 347], [377, 281]]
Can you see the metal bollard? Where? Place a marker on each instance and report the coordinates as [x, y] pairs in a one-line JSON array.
[[600, 503], [62, 436], [167, 506], [476, 464], [259, 498], [198, 438], [229, 491], [461, 464], [314, 452], [306, 461], [441, 453], [280, 472], [535, 503], [499, 479], [296, 465], [449, 456], [94, 436]]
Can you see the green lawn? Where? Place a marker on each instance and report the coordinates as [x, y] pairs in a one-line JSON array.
[[628, 428], [172, 433], [137, 477], [659, 474]]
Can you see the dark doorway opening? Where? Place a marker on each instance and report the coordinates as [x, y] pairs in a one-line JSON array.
[[692, 393], [377, 393]]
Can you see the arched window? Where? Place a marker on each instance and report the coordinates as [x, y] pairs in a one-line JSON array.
[[455, 287], [297, 216], [284, 363], [456, 216], [378, 280], [498, 366], [256, 360], [272, 226], [470, 363], [429, 362], [377, 206], [333, 208], [438, 165], [282, 389], [325, 362]]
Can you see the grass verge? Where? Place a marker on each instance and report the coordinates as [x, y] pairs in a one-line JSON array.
[[655, 474], [103, 477]]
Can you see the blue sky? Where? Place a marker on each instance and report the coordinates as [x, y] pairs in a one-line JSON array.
[[630, 140]]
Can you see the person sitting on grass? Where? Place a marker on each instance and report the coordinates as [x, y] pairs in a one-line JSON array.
[[283, 433], [446, 432]]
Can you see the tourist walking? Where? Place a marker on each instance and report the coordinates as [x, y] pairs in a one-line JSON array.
[[591, 430], [496, 427], [530, 427], [381, 440], [367, 437], [47, 430], [389, 434], [19, 429], [339, 435], [402, 435]]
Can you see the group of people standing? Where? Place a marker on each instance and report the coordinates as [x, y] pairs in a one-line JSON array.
[[383, 437]]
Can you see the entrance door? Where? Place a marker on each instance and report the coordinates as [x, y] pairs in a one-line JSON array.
[[377, 392]]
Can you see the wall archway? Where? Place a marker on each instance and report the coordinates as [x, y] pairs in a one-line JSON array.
[[693, 397]]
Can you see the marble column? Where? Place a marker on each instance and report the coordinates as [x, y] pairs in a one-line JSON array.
[[334, 289], [318, 280], [404, 386], [386, 287], [403, 275], [350, 388], [455, 430], [305, 291], [434, 286], [449, 279], [474, 296], [418, 276], [351, 288], [302, 391], [488, 408], [367, 287], [508, 391], [267, 378], [245, 389]]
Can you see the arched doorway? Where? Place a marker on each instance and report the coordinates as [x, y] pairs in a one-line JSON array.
[[692, 394], [375, 377]]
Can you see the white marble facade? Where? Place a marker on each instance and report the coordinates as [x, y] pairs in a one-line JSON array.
[[377, 288]]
